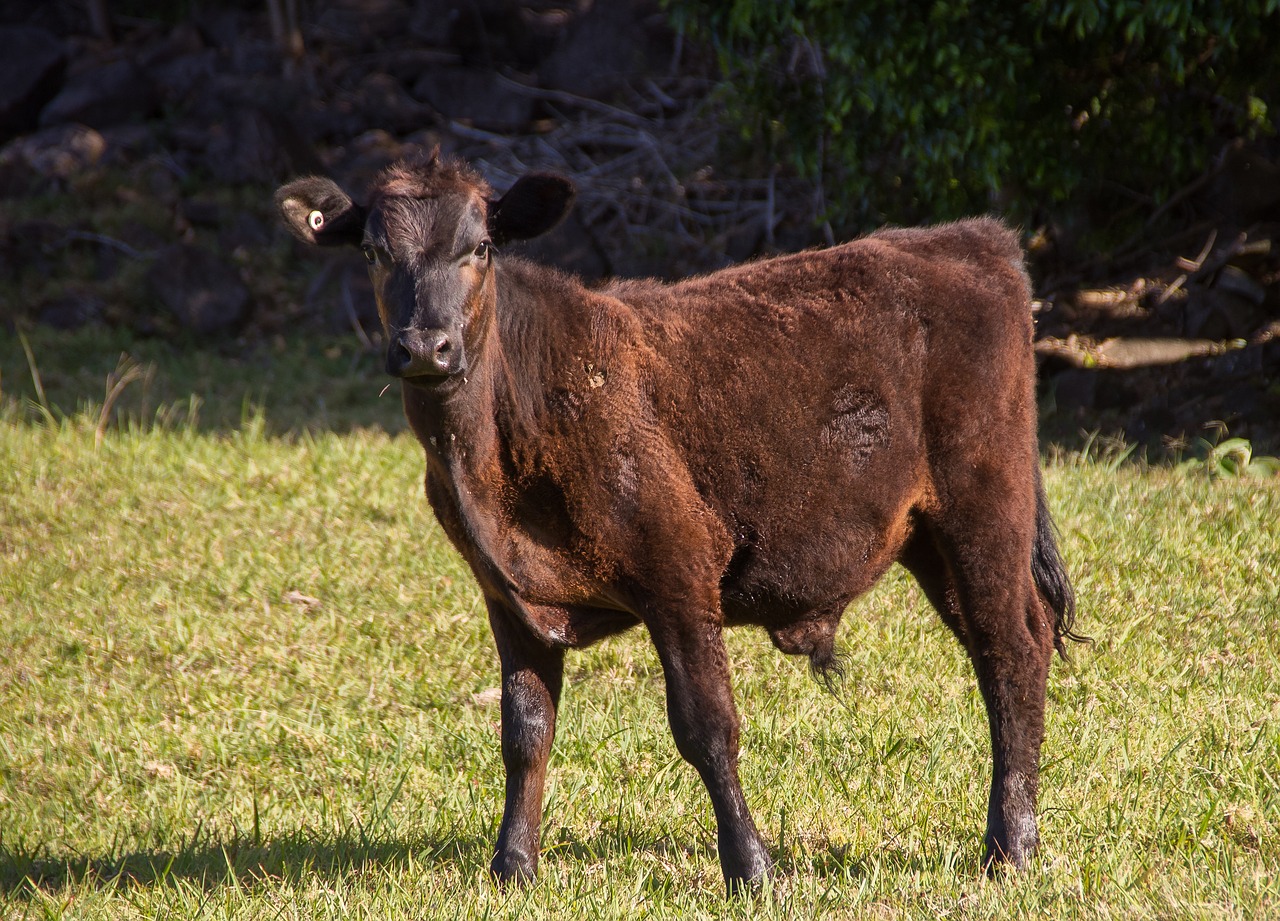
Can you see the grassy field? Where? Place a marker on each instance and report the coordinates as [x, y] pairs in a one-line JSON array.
[[242, 675]]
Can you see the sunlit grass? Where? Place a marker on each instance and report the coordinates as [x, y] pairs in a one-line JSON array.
[[242, 675]]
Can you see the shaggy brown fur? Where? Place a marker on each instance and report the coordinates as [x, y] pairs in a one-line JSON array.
[[756, 446]]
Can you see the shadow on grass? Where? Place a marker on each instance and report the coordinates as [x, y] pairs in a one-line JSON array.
[[306, 383], [211, 864], [312, 382]]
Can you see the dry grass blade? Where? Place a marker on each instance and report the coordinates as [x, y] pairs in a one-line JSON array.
[[127, 371], [36, 381]]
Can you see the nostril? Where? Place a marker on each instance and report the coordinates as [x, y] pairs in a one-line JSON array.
[[416, 353], [399, 358], [442, 354]]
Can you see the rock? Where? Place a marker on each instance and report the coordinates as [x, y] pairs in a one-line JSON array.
[[244, 148], [253, 57], [375, 150], [128, 143], [218, 25], [1240, 283], [202, 292], [29, 247], [407, 64], [252, 144], [108, 94], [18, 179], [385, 104], [475, 97], [1075, 389], [1237, 363], [362, 25], [146, 240], [1221, 313], [246, 230], [201, 212], [1247, 189], [33, 64], [432, 22], [496, 34], [605, 47], [71, 311], [181, 76], [179, 64], [56, 154]]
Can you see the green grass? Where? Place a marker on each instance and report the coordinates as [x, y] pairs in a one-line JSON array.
[[242, 675], [295, 385]]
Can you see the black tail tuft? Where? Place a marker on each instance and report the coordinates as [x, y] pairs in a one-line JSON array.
[[1050, 574]]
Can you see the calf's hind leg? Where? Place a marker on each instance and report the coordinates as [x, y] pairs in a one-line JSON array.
[[980, 579]]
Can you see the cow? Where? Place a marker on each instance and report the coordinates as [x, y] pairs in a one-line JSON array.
[[756, 446]]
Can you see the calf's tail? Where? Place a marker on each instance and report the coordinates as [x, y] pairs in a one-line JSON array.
[[1050, 573]]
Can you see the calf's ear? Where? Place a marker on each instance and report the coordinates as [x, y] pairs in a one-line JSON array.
[[317, 211], [531, 207]]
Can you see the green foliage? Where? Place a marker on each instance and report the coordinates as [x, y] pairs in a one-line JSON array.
[[934, 110], [1231, 457]]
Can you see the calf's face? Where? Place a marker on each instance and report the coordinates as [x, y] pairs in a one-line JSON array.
[[429, 237], [430, 261]]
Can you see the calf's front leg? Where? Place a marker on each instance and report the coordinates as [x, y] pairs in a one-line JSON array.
[[531, 678], [704, 723]]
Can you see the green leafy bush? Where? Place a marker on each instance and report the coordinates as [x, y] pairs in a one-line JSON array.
[[933, 110]]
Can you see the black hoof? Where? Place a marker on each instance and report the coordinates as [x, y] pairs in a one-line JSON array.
[[1007, 857], [513, 870], [747, 874]]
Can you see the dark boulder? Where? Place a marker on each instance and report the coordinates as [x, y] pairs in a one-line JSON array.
[[33, 65], [475, 97], [202, 292], [107, 94], [48, 157], [242, 141], [181, 65], [110, 94], [71, 310], [607, 46]]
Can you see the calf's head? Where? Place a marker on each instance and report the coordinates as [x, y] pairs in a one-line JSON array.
[[429, 235]]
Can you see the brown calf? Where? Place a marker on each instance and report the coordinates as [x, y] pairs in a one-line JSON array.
[[755, 446]]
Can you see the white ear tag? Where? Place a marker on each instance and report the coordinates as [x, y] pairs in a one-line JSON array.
[[316, 220]]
